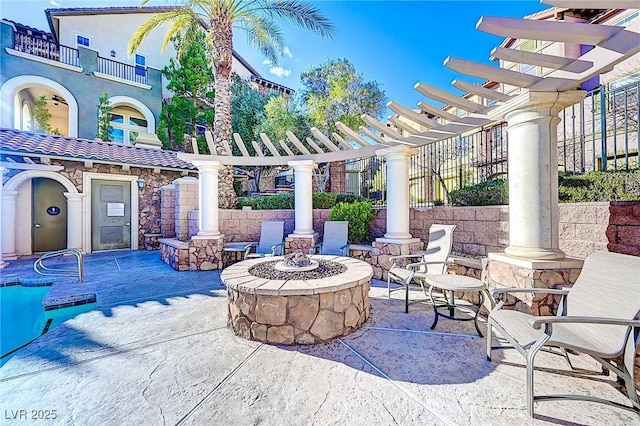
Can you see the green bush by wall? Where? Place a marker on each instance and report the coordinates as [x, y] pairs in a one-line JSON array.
[[600, 186], [484, 194], [359, 215], [321, 200]]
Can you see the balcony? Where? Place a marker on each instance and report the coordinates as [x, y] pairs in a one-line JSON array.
[[46, 49]]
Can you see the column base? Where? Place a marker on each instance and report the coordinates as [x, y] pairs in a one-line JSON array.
[[396, 240], [296, 243], [204, 236], [535, 253], [3, 264], [501, 270], [205, 254]]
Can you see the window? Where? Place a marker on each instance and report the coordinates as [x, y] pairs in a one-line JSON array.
[[126, 124], [141, 65], [529, 46], [82, 41], [528, 69], [26, 117], [628, 20]]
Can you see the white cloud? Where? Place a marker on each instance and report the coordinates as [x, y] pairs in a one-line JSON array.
[[54, 3], [280, 72], [266, 62], [287, 52]]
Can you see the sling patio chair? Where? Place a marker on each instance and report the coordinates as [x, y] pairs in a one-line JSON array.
[[598, 317], [334, 240], [433, 261], [271, 241]]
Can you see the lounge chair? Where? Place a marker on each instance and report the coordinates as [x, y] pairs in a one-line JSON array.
[[334, 240], [271, 241], [597, 317], [433, 261]]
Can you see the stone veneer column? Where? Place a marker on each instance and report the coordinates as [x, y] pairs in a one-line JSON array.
[[74, 220], [397, 159], [3, 264], [303, 170], [532, 122], [186, 199], [8, 218], [208, 195]]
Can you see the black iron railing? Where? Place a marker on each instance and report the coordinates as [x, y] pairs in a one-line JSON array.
[[45, 49], [123, 71]]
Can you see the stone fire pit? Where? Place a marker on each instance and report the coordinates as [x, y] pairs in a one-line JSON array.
[[297, 307]]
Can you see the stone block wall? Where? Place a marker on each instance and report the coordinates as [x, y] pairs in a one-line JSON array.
[[186, 199], [205, 254], [168, 211], [582, 228], [623, 232]]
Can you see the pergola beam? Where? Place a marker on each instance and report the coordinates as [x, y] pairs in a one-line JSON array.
[[417, 118], [240, 144], [565, 32], [325, 140], [540, 59], [483, 92], [294, 140], [447, 98], [353, 135], [267, 142]]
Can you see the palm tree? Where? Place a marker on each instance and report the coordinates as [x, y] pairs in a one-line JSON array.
[[258, 18]]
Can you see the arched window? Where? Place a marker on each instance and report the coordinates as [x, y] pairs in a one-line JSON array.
[[27, 123], [17, 113], [126, 122]]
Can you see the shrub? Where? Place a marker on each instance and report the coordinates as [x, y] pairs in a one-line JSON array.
[[359, 215], [600, 186], [321, 200], [488, 193]]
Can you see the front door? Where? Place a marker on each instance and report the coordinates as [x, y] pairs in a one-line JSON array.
[[49, 215], [110, 215]]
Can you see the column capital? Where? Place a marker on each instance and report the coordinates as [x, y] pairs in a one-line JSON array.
[[74, 195], [302, 164], [397, 152], [553, 102], [207, 165]]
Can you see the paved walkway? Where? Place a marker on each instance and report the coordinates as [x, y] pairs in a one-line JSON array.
[[156, 350]]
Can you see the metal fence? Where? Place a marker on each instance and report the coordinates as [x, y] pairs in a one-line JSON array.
[[587, 134]]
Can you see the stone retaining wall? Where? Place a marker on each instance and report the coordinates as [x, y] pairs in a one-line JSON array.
[[175, 254], [623, 232]]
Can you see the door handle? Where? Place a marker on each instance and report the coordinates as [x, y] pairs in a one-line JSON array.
[[37, 225], [127, 224]]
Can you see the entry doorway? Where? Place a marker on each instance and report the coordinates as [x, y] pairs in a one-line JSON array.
[[48, 215], [110, 215]]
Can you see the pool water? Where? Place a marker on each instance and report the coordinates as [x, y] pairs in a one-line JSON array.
[[23, 317]]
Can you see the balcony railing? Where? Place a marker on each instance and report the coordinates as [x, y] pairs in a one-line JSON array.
[[45, 49], [124, 71]]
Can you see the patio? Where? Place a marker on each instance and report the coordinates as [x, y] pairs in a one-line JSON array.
[[157, 350]]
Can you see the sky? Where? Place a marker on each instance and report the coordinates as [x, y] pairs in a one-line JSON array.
[[396, 43]]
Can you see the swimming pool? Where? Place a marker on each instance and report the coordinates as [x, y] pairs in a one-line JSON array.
[[24, 317]]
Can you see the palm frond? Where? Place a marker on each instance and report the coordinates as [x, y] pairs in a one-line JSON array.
[[151, 24], [263, 34], [300, 13]]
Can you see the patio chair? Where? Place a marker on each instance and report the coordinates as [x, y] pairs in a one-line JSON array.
[[334, 239], [597, 317], [433, 262], [271, 241]]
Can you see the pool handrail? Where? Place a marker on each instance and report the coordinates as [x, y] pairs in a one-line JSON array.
[[41, 269]]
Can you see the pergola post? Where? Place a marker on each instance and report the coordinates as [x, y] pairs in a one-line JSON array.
[[208, 225], [303, 236], [397, 161], [532, 121], [397, 240]]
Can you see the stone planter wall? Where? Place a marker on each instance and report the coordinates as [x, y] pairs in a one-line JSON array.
[[174, 253], [623, 232]]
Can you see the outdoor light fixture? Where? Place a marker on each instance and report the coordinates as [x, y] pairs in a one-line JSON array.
[[113, 53], [140, 182]]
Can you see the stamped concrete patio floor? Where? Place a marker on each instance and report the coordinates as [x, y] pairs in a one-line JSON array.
[[156, 350]]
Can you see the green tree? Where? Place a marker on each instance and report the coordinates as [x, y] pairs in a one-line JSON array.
[[258, 18], [335, 91], [247, 110], [104, 117], [191, 82], [41, 116]]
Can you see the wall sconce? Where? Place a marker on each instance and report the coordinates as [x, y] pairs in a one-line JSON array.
[[140, 182], [113, 53]]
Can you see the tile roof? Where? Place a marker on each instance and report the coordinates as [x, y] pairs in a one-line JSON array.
[[20, 142]]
